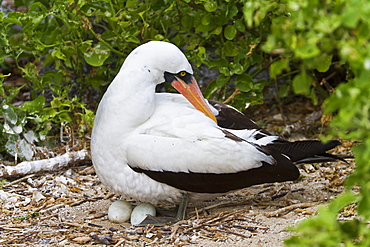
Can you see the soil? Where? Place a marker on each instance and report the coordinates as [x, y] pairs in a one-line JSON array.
[[69, 207]]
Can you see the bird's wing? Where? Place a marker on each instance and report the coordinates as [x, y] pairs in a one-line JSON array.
[[178, 137], [179, 145]]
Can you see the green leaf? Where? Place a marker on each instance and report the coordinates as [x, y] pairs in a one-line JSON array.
[[34, 105], [307, 50], [206, 19], [50, 36], [341, 201], [244, 82], [187, 21], [56, 102], [217, 30], [239, 25], [210, 6], [37, 20], [201, 51], [230, 32], [211, 89], [248, 12], [277, 67], [224, 71], [58, 54], [232, 11], [205, 28], [132, 3], [97, 55], [324, 63], [222, 80], [350, 15], [217, 64], [14, 18], [236, 68], [230, 49], [37, 8], [259, 85], [302, 83]]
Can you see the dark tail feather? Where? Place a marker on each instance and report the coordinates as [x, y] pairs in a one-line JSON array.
[[325, 157], [310, 151]]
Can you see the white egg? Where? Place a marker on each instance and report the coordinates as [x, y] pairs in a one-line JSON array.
[[120, 211], [141, 211]]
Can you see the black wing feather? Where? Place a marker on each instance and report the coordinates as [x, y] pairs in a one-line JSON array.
[[283, 170], [308, 151]]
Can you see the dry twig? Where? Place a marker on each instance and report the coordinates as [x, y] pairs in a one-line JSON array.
[[289, 208]]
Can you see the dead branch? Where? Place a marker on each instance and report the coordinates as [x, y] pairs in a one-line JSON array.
[[52, 164], [232, 96], [289, 208], [247, 235], [20, 180]]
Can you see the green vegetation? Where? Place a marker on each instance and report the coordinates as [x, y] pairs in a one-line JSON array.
[[71, 49], [314, 34]]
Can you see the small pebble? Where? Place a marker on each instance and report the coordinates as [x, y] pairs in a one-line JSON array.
[[120, 211], [82, 240], [141, 211], [37, 196]]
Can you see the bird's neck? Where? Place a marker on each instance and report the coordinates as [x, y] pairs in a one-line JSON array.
[[129, 100]]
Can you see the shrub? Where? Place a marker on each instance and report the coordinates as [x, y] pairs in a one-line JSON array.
[[320, 34]]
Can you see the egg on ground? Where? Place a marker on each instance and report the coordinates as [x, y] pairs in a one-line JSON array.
[[141, 211], [119, 211]]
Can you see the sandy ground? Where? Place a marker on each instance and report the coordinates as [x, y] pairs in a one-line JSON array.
[[69, 208]]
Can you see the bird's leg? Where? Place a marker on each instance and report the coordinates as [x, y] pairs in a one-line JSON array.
[[181, 212], [161, 220]]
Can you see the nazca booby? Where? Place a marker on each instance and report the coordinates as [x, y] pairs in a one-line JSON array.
[[164, 147]]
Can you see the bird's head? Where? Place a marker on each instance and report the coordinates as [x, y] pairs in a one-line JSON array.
[[164, 61]]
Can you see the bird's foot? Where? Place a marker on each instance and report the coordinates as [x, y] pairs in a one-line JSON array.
[[167, 216], [157, 220]]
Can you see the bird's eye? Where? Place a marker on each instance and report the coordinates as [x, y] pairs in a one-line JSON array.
[[182, 73]]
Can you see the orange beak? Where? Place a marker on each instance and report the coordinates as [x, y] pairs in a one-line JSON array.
[[191, 92]]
